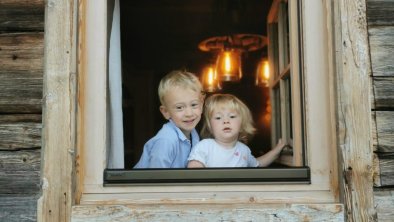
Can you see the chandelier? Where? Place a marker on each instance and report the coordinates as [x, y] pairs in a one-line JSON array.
[[228, 51]]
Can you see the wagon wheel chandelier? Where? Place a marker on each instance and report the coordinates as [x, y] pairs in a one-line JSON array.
[[228, 51]]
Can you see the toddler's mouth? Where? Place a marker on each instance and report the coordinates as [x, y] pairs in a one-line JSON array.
[[227, 129]]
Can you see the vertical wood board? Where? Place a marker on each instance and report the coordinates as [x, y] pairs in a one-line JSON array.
[[354, 112]]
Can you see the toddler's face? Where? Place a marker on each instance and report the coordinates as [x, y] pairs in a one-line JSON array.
[[184, 107], [225, 124]]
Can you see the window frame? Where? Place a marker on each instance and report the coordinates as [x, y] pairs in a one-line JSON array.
[[92, 130], [286, 80]]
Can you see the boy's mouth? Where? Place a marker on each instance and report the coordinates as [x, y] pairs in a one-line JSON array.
[[189, 121]]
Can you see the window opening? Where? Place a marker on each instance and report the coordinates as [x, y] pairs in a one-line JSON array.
[[158, 37]]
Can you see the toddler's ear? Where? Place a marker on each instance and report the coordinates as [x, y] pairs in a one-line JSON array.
[[165, 112]]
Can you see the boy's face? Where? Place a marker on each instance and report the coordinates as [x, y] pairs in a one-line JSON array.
[[225, 124], [183, 107]]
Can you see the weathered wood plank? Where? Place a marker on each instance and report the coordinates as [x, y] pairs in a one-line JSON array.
[[21, 71], [384, 202], [381, 40], [21, 52], [19, 135], [17, 118], [17, 208], [354, 110], [23, 160], [384, 131], [386, 169], [175, 213], [20, 93], [59, 105], [384, 92], [380, 12], [20, 172], [21, 15]]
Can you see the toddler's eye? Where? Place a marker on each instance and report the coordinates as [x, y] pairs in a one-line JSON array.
[[233, 116], [217, 117]]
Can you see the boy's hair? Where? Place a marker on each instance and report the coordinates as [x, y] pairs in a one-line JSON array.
[[178, 78], [232, 102]]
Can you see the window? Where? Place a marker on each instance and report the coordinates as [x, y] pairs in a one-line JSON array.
[[283, 74], [318, 122]]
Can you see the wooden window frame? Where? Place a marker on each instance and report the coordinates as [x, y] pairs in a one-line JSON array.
[[93, 72], [68, 183]]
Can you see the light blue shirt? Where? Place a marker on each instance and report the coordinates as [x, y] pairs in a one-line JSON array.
[[168, 149]]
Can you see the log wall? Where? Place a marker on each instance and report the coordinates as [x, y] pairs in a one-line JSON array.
[[380, 18], [21, 85]]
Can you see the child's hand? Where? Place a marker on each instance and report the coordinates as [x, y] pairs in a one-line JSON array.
[[279, 147]]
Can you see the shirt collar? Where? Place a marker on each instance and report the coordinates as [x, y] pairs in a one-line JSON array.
[[181, 136]]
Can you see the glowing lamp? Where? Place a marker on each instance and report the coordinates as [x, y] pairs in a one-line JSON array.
[[209, 79], [228, 65], [262, 73]]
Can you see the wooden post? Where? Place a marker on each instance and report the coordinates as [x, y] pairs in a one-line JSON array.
[[353, 111], [58, 133]]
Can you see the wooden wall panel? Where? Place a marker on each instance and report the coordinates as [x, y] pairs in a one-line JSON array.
[[384, 131], [384, 202], [20, 172], [20, 132], [380, 12], [16, 208], [381, 40], [22, 52], [21, 72], [21, 15], [384, 92]]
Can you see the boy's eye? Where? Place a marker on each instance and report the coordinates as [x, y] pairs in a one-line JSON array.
[[195, 105], [179, 108]]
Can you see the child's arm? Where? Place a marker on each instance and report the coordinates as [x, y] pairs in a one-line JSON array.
[[270, 156], [195, 164]]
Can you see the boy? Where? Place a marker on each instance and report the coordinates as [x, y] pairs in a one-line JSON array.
[[181, 98]]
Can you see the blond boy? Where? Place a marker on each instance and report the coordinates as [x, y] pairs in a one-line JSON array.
[[181, 98]]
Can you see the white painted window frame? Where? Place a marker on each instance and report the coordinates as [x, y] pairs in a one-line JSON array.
[[319, 125]]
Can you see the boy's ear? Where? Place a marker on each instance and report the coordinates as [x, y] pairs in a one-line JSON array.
[[164, 112]]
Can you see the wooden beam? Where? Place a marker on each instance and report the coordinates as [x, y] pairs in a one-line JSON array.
[[58, 134], [354, 114], [219, 212]]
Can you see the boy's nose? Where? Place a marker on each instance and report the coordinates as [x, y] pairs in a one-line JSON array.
[[188, 111]]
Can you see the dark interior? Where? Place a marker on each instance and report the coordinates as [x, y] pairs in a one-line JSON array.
[[158, 36]]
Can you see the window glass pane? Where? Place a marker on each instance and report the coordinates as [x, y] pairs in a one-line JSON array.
[[288, 107], [277, 111], [156, 38]]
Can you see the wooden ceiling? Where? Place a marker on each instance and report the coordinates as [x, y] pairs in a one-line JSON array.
[[164, 34]]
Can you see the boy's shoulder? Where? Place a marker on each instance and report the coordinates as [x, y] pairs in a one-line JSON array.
[[167, 131]]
